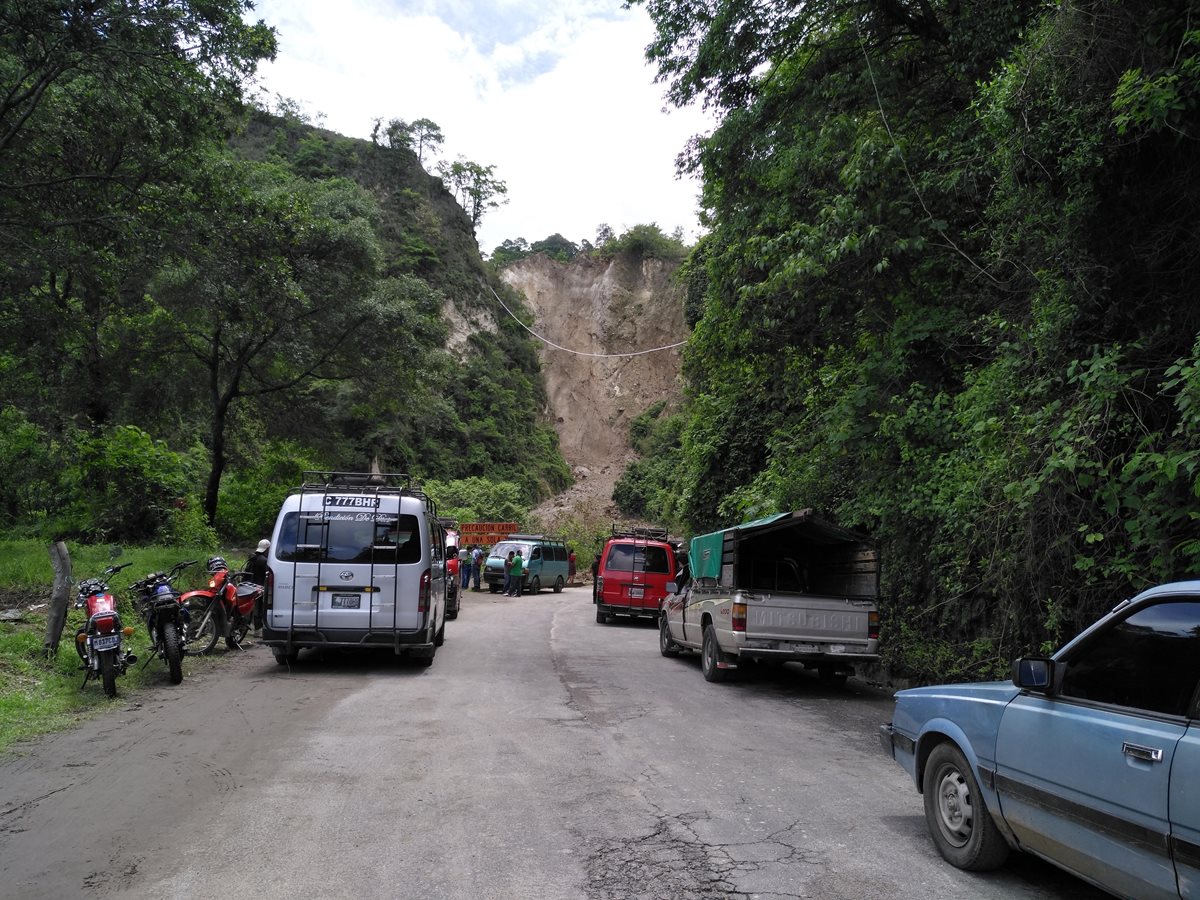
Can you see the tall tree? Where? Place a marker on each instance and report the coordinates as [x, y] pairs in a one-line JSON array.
[[474, 186], [427, 136], [274, 287]]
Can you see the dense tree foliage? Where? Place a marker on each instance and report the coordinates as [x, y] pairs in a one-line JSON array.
[[948, 298], [197, 304]]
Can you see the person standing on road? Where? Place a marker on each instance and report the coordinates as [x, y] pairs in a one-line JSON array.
[[465, 568], [517, 573], [256, 566], [477, 564], [508, 561], [570, 567]]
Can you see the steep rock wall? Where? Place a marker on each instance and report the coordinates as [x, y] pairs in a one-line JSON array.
[[603, 308]]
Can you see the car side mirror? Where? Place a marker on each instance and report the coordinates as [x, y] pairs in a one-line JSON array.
[[1033, 673], [672, 587]]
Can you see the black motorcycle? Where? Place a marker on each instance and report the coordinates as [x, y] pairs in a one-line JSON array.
[[166, 618]]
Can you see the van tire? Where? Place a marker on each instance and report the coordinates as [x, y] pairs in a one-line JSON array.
[[558, 585], [494, 588], [710, 655], [286, 658], [535, 584], [440, 637], [424, 661]]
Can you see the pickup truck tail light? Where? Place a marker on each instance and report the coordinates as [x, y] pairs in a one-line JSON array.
[[873, 626], [739, 617]]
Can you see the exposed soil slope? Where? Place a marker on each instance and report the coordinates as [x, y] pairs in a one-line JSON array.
[[600, 308]]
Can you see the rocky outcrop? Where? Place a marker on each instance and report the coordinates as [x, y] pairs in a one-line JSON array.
[[592, 313]]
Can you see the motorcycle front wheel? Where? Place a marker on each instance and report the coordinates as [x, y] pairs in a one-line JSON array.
[[172, 652], [108, 673], [202, 633]]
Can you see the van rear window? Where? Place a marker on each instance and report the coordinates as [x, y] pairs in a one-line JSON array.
[[632, 558], [346, 537]]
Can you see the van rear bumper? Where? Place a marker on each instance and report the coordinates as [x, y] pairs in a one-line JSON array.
[[406, 641], [649, 612]]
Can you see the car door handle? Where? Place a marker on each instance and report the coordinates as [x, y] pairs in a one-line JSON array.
[[1149, 754]]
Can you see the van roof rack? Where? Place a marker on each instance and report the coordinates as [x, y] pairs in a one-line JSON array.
[[531, 537], [390, 483], [645, 534]]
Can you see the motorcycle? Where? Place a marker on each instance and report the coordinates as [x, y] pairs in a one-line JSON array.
[[99, 640], [165, 616], [224, 609]]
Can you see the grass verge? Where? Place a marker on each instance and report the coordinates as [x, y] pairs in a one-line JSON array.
[[40, 695]]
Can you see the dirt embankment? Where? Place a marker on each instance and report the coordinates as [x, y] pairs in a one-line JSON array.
[[598, 310]]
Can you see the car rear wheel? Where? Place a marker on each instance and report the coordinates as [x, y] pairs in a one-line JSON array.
[[535, 585], [710, 656], [961, 826]]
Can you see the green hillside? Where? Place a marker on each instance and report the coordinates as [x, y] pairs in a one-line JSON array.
[[198, 300]]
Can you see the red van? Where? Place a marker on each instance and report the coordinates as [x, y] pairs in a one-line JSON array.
[[634, 569]]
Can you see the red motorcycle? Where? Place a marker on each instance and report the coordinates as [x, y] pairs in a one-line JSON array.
[[98, 640], [223, 609]]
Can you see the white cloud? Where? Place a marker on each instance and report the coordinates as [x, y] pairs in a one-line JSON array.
[[557, 96]]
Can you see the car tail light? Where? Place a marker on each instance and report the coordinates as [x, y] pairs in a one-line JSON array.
[[873, 626], [739, 617], [426, 590], [269, 588], [106, 624]]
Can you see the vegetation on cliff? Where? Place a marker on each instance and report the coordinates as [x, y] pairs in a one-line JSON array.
[[948, 298], [198, 302]]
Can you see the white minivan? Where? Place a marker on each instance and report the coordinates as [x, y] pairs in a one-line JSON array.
[[356, 560]]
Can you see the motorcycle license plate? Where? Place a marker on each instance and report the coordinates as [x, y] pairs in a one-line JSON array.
[[106, 641], [344, 601], [636, 593]]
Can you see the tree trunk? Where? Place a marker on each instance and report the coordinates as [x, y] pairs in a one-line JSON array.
[[212, 492], [60, 595]]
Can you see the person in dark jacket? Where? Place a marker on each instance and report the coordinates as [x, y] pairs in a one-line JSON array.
[[256, 566]]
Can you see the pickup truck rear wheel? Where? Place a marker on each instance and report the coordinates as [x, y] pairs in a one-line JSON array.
[[710, 655], [958, 820], [666, 645], [601, 617]]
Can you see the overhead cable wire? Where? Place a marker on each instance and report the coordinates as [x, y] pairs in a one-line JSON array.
[[550, 343]]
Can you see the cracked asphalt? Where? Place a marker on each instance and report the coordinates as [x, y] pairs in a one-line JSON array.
[[542, 755]]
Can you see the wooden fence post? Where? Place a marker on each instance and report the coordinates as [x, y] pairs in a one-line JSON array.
[[60, 595]]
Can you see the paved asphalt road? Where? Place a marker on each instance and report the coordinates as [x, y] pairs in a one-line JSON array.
[[542, 756]]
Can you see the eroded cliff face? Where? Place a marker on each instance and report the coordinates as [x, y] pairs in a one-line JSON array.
[[599, 309]]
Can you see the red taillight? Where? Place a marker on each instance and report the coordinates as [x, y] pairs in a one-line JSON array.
[[426, 590], [739, 617], [105, 624], [873, 626]]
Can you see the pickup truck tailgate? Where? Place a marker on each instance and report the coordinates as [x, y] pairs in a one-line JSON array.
[[806, 617]]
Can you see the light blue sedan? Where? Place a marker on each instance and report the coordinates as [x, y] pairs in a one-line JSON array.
[[1089, 758]]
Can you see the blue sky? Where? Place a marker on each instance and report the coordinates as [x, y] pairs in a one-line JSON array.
[[556, 95]]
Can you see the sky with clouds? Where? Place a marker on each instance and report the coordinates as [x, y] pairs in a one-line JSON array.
[[556, 94]]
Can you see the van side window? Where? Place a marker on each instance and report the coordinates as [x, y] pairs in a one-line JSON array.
[[536, 554]]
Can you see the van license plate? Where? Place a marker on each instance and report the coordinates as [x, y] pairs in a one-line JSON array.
[[344, 601], [636, 593]]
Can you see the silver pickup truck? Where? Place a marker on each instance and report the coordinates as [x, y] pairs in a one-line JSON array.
[[787, 588]]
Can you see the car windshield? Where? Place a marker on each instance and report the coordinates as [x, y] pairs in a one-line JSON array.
[[349, 537], [501, 549], [637, 558]]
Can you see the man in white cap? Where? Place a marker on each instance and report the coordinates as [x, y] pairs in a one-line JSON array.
[[256, 565]]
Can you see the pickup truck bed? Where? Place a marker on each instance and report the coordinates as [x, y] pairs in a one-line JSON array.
[[786, 588]]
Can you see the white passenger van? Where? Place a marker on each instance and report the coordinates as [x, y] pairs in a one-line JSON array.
[[356, 560]]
